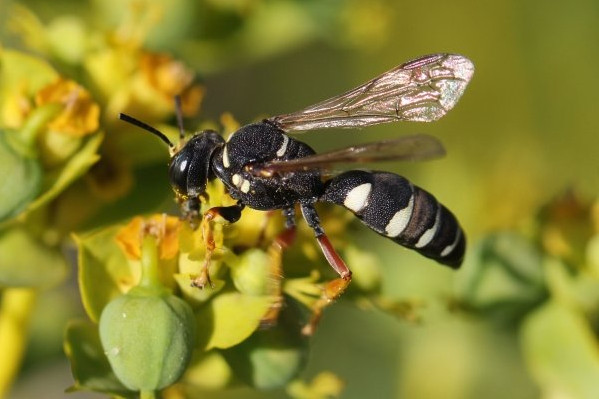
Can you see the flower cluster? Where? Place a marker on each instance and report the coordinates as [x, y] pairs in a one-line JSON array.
[[249, 321], [68, 167]]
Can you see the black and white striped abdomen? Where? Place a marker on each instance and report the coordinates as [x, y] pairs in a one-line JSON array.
[[395, 208]]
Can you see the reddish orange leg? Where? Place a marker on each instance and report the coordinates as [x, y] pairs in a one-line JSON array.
[[331, 290], [231, 214], [335, 288], [275, 252], [203, 278]]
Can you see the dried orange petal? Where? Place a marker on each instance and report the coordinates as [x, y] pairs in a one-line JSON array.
[[166, 228]]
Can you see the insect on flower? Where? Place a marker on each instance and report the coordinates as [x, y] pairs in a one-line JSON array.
[[265, 169]]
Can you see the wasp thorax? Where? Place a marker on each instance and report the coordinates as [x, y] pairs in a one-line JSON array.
[[189, 170]]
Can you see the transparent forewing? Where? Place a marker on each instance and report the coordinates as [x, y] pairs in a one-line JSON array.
[[418, 147], [421, 90]]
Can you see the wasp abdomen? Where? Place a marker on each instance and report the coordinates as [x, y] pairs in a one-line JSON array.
[[393, 207]]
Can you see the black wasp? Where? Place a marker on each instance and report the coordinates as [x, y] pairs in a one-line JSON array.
[[265, 169]]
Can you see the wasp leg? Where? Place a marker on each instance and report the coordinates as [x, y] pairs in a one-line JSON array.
[[335, 288], [230, 214], [261, 240], [275, 251]]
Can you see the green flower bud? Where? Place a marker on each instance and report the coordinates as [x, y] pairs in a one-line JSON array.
[[148, 333], [271, 358]]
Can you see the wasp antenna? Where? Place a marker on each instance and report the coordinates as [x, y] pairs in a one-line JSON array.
[[179, 113], [145, 126]]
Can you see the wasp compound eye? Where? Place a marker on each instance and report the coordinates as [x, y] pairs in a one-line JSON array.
[[179, 170]]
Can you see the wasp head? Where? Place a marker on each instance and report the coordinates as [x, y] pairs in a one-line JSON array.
[[189, 169]]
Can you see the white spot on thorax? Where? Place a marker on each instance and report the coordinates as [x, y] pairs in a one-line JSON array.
[[357, 198], [236, 179], [283, 147], [428, 235], [241, 183], [245, 186], [400, 220]]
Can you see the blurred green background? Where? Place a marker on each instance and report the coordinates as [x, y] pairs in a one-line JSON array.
[[524, 132]]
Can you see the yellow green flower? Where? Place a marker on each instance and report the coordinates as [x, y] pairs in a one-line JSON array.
[[80, 114]]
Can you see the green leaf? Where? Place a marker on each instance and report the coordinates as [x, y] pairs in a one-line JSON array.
[[561, 351], [80, 163], [192, 294], [251, 272], [208, 370], [21, 178], [27, 262], [270, 358], [104, 272], [229, 318], [503, 277], [89, 364]]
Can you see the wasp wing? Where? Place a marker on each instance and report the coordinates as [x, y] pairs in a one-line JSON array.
[[418, 147], [421, 90]]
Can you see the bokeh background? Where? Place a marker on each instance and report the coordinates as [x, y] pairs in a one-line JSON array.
[[524, 134]]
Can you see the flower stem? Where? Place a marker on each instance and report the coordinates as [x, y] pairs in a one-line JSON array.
[[147, 395], [150, 277], [16, 306], [24, 142]]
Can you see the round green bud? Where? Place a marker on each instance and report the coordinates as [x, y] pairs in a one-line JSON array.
[[148, 337]]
